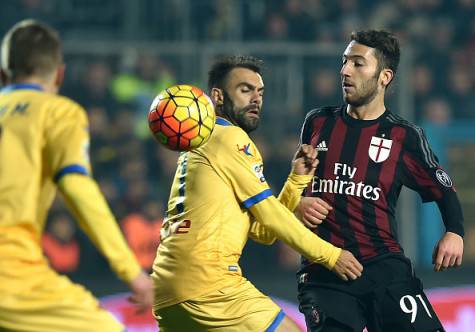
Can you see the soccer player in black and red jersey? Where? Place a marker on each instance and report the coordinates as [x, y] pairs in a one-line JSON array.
[[367, 153]]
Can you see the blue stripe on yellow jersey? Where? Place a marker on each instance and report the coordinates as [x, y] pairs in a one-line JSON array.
[[77, 169], [256, 198]]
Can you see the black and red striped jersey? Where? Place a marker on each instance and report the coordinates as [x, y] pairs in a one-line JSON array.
[[363, 166]]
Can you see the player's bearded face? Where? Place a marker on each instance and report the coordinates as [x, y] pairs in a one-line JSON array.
[[241, 116], [359, 74], [242, 98], [364, 91]]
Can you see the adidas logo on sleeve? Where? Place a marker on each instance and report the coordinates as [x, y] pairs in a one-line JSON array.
[[322, 146]]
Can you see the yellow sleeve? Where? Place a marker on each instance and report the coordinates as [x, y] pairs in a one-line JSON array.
[[271, 214], [290, 197], [67, 139], [87, 203], [261, 234], [292, 190]]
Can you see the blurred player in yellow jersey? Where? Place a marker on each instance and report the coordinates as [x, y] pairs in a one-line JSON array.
[[218, 199], [43, 146]]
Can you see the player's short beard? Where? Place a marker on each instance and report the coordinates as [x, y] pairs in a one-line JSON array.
[[367, 92], [238, 116]]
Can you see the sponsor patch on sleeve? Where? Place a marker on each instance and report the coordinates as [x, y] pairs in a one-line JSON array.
[[258, 169]]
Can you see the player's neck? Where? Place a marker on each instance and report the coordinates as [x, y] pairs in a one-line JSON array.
[[46, 84], [220, 113], [370, 111]]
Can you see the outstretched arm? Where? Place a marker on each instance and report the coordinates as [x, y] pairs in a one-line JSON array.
[[87, 203], [422, 173], [67, 157], [303, 168], [341, 262], [274, 216], [243, 173]]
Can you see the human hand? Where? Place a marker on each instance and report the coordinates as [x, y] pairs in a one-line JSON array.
[[311, 211], [448, 252], [142, 292], [347, 266], [305, 160]]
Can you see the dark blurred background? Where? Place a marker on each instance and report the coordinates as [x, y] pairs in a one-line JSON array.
[[121, 53]]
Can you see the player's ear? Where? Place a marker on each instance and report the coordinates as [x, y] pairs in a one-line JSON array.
[[217, 96], [386, 76], [58, 81]]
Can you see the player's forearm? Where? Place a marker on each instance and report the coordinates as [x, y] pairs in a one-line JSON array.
[[261, 234], [451, 212], [291, 192], [87, 203], [289, 196], [274, 216]]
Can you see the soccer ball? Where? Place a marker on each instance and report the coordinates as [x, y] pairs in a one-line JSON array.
[[182, 117]]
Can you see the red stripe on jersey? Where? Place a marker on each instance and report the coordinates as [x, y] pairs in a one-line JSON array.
[[335, 146], [355, 204], [317, 125], [388, 171], [422, 178], [386, 179]]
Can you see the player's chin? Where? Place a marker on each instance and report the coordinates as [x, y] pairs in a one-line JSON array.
[[347, 98], [251, 123], [353, 100]]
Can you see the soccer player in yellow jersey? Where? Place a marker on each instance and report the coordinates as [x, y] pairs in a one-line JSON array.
[[43, 146], [218, 199]]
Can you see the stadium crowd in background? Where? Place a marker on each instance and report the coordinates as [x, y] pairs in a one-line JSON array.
[[131, 169]]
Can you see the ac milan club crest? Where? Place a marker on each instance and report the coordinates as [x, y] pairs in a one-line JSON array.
[[379, 149], [443, 178]]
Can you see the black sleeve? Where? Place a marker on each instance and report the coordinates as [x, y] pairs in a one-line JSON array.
[[422, 173], [452, 214]]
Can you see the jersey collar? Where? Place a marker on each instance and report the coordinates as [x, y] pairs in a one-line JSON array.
[[223, 122], [361, 123], [21, 86]]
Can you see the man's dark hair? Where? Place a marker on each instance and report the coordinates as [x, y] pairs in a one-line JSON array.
[[30, 48], [385, 44], [221, 68]]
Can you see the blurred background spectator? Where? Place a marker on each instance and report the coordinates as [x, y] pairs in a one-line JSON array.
[[60, 244], [141, 230]]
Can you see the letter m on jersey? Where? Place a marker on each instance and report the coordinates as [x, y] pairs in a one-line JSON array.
[[379, 149]]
